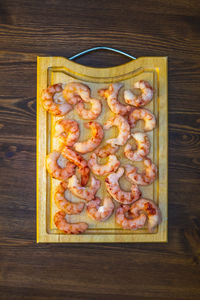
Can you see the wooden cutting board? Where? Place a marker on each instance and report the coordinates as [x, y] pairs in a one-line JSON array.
[[51, 70]]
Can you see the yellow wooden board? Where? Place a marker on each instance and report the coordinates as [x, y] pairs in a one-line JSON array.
[[51, 70]]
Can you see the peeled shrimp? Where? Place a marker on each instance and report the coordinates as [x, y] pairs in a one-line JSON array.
[[141, 100], [64, 204], [94, 141], [75, 92], [124, 130], [142, 144], [89, 114], [70, 228], [145, 115], [106, 150], [111, 94], [55, 170], [79, 161], [101, 170], [146, 177], [86, 193], [115, 191], [67, 132], [132, 223], [53, 101], [100, 213], [151, 210]]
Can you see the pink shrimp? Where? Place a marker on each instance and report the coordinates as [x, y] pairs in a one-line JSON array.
[[142, 144], [100, 213], [86, 193], [141, 100], [66, 227], [94, 141], [115, 191], [75, 92], [151, 210], [53, 101], [131, 223], [67, 132], [79, 161], [106, 150], [101, 170], [57, 171], [145, 115], [64, 204], [146, 177], [93, 112], [111, 94], [124, 130]]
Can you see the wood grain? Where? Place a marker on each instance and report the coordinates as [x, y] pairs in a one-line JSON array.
[[63, 28]]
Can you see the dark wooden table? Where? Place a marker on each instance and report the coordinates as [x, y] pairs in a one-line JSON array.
[[98, 271]]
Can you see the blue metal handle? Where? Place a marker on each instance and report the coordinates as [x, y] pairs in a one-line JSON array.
[[101, 48]]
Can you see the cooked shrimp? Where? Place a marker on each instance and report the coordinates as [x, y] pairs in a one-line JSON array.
[[75, 92], [53, 101], [145, 115], [106, 150], [94, 141], [146, 177], [142, 144], [55, 170], [101, 170], [124, 130], [70, 228], [79, 161], [111, 94], [89, 114], [86, 193], [64, 204], [100, 213], [141, 100], [115, 191], [151, 210], [67, 132], [132, 223]]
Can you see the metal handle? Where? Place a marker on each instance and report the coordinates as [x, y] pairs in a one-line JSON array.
[[101, 48]]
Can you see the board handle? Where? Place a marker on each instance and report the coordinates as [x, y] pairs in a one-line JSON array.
[[101, 48]]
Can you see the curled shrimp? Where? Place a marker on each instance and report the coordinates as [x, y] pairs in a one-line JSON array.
[[75, 92], [106, 150], [111, 95], [54, 102], [101, 170], [145, 115], [86, 193], [64, 204], [146, 177], [67, 132], [89, 114], [142, 144], [70, 228], [100, 213], [151, 210], [79, 161], [56, 170], [94, 141], [123, 127], [115, 191], [132, 222], [141, 100]]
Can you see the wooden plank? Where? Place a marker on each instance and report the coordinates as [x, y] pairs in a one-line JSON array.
[[57, 69]]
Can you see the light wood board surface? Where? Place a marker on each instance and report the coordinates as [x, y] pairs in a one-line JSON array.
[[53, 70]]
